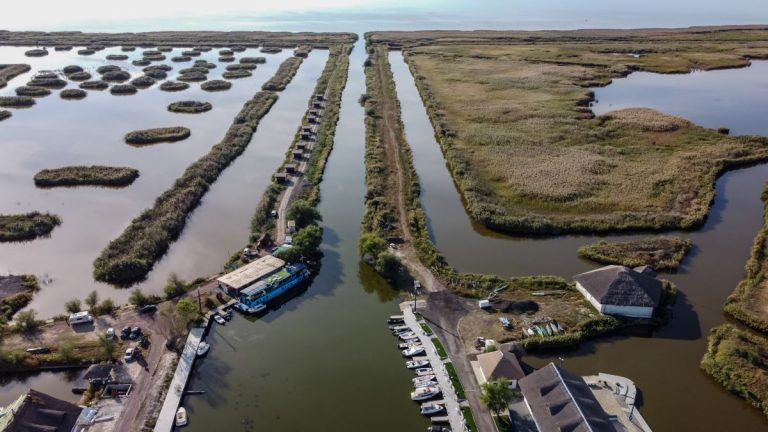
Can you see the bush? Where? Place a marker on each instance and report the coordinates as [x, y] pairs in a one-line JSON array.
[[26, 320], [371, 245], [216, 85], [304, 214], [138, 298], [190, 107], [32, 91], [91, 300], [16, 101], [123, 89], [116, 76], [73, 306], [156, 135], [94, 85], [173, 86], [307, 240], [27, 226], [388, 265], [79, 76], [73, 94], [174, 287]]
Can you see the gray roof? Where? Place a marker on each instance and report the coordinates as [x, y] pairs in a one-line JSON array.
[[39, 412], [622, 286], [562, 402]]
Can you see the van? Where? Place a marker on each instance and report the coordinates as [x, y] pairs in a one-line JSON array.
[[80, 318]]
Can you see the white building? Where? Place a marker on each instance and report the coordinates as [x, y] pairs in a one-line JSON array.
[[619, 290]]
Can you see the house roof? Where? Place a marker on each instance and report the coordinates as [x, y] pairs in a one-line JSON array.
[[39, 412], [252, 272], [622, 286], [562, 402], [498, 364]]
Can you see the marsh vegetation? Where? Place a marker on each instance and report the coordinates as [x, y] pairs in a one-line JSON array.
[[36, 52], [230, 74], [216, 85], [5, 114], [123, 89], [28, 226], [173, 86], [94, 175], [32, 91], [190, 107], [284, 74], [157, 135], [16, 101], [73, 94], [94, 85], [660, 253]]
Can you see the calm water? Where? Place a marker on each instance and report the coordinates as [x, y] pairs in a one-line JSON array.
[[57, 133], [324, 360], [676, 394]]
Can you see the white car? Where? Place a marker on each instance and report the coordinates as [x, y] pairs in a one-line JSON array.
[[288, 240], [219, 319], [130, 353], [111, 333]]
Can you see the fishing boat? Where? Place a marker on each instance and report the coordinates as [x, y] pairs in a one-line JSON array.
[[394, 319], [202, 348], [424, 378], [181, 417], [399, 327], [421, 384], [415, 364], [410, 352], [424, 371], [430, 408], [410, 335], [250, 310], [425, 393], [255, 296]]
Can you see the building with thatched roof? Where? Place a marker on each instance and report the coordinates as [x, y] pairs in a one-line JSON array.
[[561, 401], [500, 364], [36, 411], [619, 290]]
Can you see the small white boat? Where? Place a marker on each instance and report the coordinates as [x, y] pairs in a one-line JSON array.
[[219, 319], [412, 339], [429, 409], [425, 393], [202, 348], [395, 319], [404, 345], [421, 384], [398, 328], [415, 364], [407, 335], [181, 417], [424, 371], [423, 378], [410, 352]]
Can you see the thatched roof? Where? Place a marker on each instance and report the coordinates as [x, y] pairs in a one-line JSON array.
[[38, 411], [622, 286]]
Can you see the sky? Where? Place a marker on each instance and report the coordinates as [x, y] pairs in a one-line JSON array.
[[364, 15]]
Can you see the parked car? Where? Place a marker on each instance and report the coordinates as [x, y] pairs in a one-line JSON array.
[[147, 308], [80, 318], [111, 333], [219, 319], [288, 240], [130, 354], [135, 333], [125, 332], [274, 213]]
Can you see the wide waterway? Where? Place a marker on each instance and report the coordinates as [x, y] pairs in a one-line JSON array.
[[676, 394]]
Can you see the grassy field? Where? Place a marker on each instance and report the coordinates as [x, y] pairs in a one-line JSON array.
[[661, 253], [738, 361], [28, 226], [86, 175], [749, 301], [529, 156]]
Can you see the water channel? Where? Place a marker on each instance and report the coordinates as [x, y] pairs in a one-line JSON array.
[[676, 394]]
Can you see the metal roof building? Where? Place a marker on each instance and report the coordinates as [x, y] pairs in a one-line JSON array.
[[251, 273]]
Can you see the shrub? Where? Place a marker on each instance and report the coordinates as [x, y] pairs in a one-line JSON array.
[[79, 76], [190, 107], [27, 226], [236, 74], [91, 300], [71, 69], [138, 298], [94, 85], [26, 320], [307, 240], [173, 86], [116, 76], [86, 175], [388, 265], [73, 306], [156, 135], [117, 57], [174, 287], [143, 82], [304, 214], [86, 52], [36, 53], [371, 245], [123, 89], [253, 60], [73, 94], [51, 83], [107, 306], [16, 101], [216, 85], [32, 91], [180, 59]]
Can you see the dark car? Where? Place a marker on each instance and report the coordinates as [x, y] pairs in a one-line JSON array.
[[147, 308], [125, 332], [135, 332]]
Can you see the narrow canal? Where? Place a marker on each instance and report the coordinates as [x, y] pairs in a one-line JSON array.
[[676, 394], [324, 360]]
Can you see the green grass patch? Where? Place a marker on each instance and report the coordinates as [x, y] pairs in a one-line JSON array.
[[469, 418], [439, 348], [427, 329]]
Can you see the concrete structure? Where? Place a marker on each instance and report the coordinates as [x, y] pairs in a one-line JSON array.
[[250, 273], [619, 290], [36, 411], [499, 364], [561, 401], [617, 396]]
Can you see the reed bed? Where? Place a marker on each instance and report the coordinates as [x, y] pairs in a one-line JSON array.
[[161, 67], [226, 52], [165, 49], [94, 85], [194, 69], [5, 114], [271, 50], [237, 74], [302, 51], [16, 101], [101, 70], [50, 83], [216, 85], [181, 59], [192, 77], [253, 60], [155, 58], [117, 57], [73, 94], [202, 48], [173, 86], [32, 91], [79, 76], [29, 226], [191, 53], [660, 253], [246, 66], [94, 175], [190, 107], [204, 64], [95, 47], [116, 76], [226, 59], [123, 89], [128, 48], [142, 62], [36, 52], [71, 69], [151, 53], [86, 52], [156, 74], [41, 75], [237, 48], [63, 48], [157, 135], [143, 82], [284, 74]]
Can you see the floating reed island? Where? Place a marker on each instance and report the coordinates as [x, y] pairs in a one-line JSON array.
[[79, 76], [142, 62], [5, 114], [157, 135], [156, 74], [123, 89], [173, 86], [194, 69], [37, 52], [86, 52], [226, 52], [45, 75], [204, 64], [16, 101], [236, 74], [108, 68], [165, 49], [71, 69], [238, 48], [95, 47], [158, 57], [161, 67], [192, 76], [191, 53], [216, 85], [202, 48], [253, 60], [190, 107], [74, 94], [284, 74], [63, 48], [143, 82], [128, 49], [116, 76], [181, 59], [32, 91], [117, 57], [51, 83], [10, 71], [226, 59], [94, 175], [28, 226], [151, 53], [271, 50], [302, 51], [94, 85], [240, 66], [660, 253]]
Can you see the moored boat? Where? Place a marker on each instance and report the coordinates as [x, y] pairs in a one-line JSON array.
[[423, 378], [424, 371], [394, 319], [425, 393], [421, 384], [410, 352], [430, 408], [404, 345], [415, 364], [181, 417], [202, 348]]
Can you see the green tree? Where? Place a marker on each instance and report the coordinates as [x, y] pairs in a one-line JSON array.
[[138, 297], [308, 240], [105, 307], [174, 287], [388, 265], [66, 351], [496, 395], [187, 308], [73, 306], [371, 245], [290, 255], [27, 320], [91, 300], [304, 213], [109, 346]]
